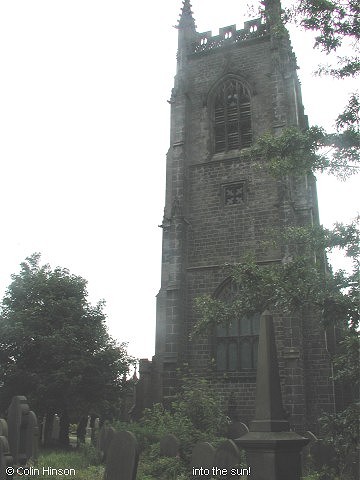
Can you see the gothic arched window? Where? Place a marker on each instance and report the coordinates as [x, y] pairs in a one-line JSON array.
[[232, 116], [236, 343]]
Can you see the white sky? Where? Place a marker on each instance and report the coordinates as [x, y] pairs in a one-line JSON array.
[[84, 129]]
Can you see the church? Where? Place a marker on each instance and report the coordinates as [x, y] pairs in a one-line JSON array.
[[229, 90]]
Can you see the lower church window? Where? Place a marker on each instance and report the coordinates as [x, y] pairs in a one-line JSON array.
[[237, 344]]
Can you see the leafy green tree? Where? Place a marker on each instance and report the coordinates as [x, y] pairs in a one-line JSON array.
[[336, 24], [55, 348]]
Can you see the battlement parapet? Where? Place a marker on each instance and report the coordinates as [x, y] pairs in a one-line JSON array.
[[229, 35]]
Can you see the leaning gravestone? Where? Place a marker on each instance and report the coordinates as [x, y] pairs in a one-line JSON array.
[[169, 446], [227, 456], [32, 437], [122, 457], [18, 417], [202, 457], [106, 436]]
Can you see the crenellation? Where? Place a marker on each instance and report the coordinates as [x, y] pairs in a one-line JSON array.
[[253, 29]]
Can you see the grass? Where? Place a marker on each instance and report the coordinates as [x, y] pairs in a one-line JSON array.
[[84, 461]]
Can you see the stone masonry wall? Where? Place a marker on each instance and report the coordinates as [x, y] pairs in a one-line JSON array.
[[202, 234]]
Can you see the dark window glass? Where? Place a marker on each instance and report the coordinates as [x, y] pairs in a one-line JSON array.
[[236, 343], [232, 117]]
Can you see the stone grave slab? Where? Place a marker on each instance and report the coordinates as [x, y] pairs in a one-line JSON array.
[[122, 457], [106, 435], [202, 457], [6, 459], [227, 456], [18, 415], [169, 446], [32, 437]]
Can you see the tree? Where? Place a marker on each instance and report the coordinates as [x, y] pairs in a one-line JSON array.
[[55, 348], [336, 25]]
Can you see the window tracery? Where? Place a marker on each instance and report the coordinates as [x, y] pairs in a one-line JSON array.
[[232, 116]]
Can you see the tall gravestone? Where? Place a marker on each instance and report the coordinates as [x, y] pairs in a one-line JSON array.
[[32, 437], [106, 436], [55, 431], [122, 457], [6, 459], [95, 431], [272, 451], [18, 418], [46, 430]]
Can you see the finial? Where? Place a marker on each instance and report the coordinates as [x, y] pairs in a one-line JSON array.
[[186, 17]]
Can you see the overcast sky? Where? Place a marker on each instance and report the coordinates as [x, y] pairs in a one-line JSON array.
[[84, 130]]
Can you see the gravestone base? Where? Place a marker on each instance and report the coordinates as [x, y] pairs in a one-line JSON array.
[[273, 455]]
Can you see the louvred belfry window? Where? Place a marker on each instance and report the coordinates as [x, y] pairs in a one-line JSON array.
[[232, 117]]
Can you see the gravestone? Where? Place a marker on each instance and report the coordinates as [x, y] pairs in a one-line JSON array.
[[81, 430], [32, 437], [55, 431], [203, 456], [6, 459], [95, 431], [88, 427], [106, 436], [237, 430], [169, 446], [122, 457], [18, 417], [227, 456]]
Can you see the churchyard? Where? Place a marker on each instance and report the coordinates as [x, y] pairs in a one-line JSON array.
[[165, 445]]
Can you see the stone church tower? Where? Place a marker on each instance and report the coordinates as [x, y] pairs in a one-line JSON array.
[[230, 89]]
